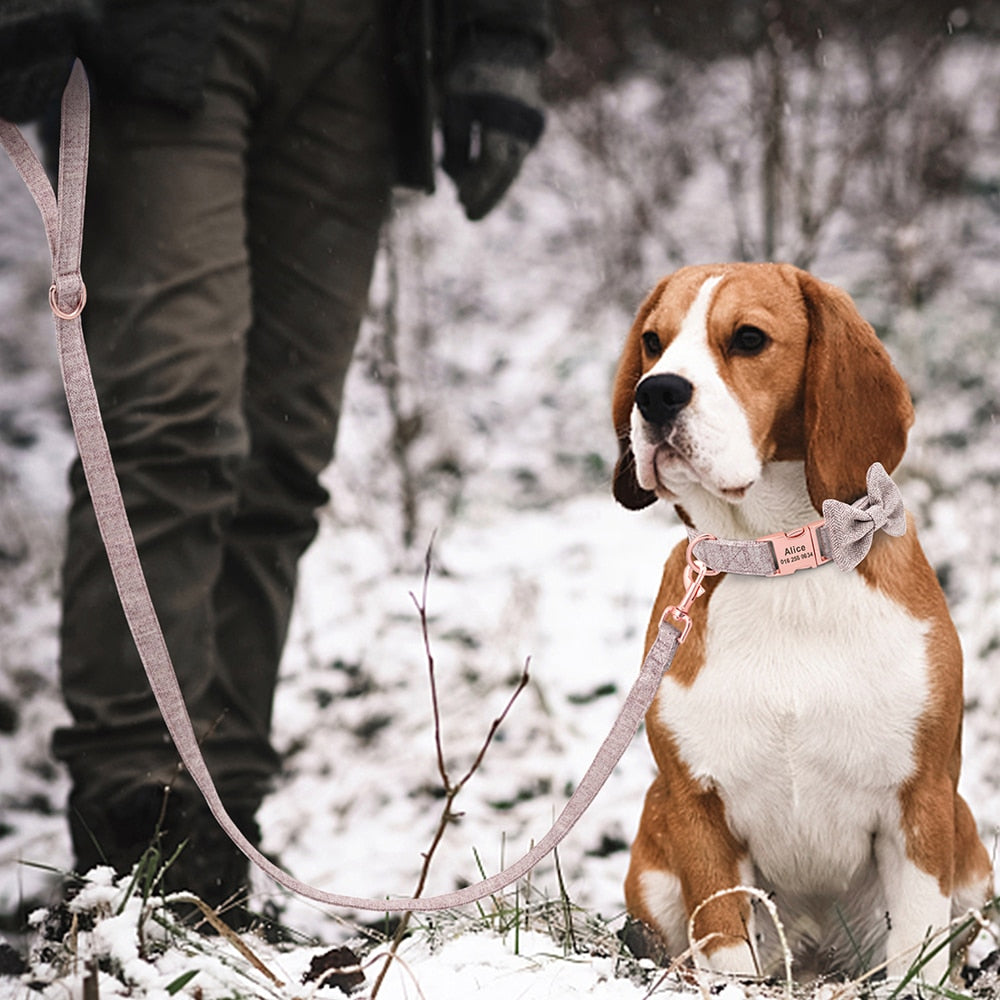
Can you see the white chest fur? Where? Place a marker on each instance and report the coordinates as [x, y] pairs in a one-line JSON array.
[[803, 718]]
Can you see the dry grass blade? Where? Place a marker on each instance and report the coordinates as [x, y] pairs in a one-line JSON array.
[[772, 911], [226, 932]]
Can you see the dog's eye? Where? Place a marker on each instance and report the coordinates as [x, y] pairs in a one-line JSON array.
[[651, 342], [748, 341]]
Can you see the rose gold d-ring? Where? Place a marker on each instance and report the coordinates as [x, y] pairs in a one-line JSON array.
[[694, 564], [76, 311]]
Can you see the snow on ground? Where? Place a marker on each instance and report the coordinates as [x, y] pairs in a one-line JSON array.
[[509, 336]]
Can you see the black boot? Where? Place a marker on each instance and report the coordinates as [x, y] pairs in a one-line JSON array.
[[176, 834]]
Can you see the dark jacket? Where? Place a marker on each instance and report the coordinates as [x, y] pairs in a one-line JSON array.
[[158, 50]]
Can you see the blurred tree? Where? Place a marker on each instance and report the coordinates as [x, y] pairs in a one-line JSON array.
[[813, 109], [602, 39]]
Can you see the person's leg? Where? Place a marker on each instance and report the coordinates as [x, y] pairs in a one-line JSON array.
[[168, 276], [318, 189], [219, 434]]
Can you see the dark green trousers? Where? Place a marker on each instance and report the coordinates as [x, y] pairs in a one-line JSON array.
[[227, 257]]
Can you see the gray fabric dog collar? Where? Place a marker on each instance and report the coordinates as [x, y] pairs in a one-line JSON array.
[[843, 536]]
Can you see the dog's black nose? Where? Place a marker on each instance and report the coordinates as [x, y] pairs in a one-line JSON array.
[[661, 397]]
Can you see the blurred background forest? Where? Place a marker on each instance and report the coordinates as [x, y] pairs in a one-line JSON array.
[[845, 105]]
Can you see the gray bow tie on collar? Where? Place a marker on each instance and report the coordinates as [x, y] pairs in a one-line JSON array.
[[843, 537], [850, 528]]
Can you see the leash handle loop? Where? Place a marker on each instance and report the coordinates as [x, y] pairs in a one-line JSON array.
[[63, 220]]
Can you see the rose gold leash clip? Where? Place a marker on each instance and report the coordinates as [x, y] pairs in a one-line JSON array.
[[694, 573]]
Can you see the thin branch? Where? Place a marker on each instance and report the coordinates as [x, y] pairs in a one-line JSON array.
[[497, 723], [451, 789], [421, 606]]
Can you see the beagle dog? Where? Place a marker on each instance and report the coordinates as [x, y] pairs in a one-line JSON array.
[[807, 738]]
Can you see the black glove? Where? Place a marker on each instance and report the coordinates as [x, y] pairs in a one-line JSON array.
[[37, 48], [491, 117]]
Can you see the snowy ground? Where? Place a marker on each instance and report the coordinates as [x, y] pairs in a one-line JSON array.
[[509, 333]]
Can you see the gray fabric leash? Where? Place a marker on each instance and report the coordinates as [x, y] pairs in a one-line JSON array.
[[848, 532], [63, 219]]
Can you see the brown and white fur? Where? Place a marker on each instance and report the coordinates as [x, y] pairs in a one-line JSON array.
[[807, 738]]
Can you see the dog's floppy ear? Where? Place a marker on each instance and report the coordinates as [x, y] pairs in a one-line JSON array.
[[857, 407], [627, 490]]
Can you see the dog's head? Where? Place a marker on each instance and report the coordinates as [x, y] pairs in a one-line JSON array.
[[729, 367]]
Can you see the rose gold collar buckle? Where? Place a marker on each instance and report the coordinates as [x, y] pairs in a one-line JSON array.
[[796, 549]]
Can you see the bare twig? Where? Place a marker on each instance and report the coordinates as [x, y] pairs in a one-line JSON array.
[[407, 422], [91, 982], [451, 788], [421, 606]]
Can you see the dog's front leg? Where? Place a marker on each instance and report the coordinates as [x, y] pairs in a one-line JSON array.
[[916, 908], [735, 954], [683, 854]]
